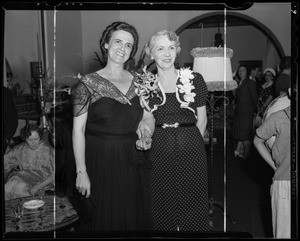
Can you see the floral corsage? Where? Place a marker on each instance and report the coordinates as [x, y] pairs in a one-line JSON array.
[[147, 86], [185, 86]]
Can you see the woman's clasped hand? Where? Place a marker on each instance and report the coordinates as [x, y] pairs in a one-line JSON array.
[[144, 133]]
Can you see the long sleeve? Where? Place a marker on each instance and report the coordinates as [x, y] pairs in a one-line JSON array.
[[11, 159], [10, 115]]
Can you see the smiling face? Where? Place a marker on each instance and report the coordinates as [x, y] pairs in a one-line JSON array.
[[33, 140], [164, 52], [269, 76], [119, 46]]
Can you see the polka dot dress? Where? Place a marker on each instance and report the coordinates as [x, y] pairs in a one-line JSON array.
[[179, 178]]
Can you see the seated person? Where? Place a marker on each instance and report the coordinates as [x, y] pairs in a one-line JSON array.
[[33, 161]]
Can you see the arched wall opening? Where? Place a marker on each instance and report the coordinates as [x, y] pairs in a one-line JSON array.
[[249, 38]]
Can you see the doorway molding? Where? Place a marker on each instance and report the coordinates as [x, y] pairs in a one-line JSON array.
[[252, 21]]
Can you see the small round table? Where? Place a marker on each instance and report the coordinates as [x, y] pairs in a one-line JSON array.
[[57, 212]]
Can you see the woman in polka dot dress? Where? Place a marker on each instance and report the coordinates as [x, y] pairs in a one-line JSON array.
[[179, 179]]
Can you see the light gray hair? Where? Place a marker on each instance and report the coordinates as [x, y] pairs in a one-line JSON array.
[[172, 36]]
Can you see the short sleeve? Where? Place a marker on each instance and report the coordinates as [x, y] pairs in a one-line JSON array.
[[81, 97], [200, 90], [268, 128]]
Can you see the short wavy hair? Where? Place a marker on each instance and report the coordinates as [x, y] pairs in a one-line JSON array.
[[172, 36], [110, 29], [28, 129]]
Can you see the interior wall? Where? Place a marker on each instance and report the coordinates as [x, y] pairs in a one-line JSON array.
[[93, 23], [67, 47], [20, 48], [247, 43], [275, 16], [78, 34], [20, 44]]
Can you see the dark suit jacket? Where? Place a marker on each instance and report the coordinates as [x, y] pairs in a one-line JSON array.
[[10, 117]]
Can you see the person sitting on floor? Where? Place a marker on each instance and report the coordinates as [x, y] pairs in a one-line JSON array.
[[29, 166]]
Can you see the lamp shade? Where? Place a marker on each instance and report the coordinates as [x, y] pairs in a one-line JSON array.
[[209, 62]]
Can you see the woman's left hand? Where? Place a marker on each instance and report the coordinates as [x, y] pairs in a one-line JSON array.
[[143, 130], [144, 143]]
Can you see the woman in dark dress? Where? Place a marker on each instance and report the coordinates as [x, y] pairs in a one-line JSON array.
[[179, 181], [266, 91], [112, 175], [246, 105]]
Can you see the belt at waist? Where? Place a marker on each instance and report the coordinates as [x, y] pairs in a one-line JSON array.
[[108, 136], [175, 125]]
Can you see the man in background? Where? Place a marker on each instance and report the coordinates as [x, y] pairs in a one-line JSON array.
[[10, 118], [283, 81], [254, 72]]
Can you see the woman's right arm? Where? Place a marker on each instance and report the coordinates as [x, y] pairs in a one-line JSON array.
[[260, 146], [147, 125], [78, 137], [145, 131]]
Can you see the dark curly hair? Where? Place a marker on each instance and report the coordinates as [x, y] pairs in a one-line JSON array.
[[247, 71], [28, 129], [285, 63], [110, 29]]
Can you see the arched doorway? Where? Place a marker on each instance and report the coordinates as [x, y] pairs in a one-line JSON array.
[[249, 38]]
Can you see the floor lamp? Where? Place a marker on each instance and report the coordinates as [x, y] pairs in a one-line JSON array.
[[43, 122], [210, 62]]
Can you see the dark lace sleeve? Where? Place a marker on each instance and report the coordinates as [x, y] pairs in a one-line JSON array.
[[81, 97], [200, 90]]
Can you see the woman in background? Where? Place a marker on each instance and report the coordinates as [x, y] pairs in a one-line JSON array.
[[283, 81], [245, 107], [266, 91], [33, 162]]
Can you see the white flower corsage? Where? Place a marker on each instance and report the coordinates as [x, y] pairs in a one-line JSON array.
[[147, 86], [185, 86]]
